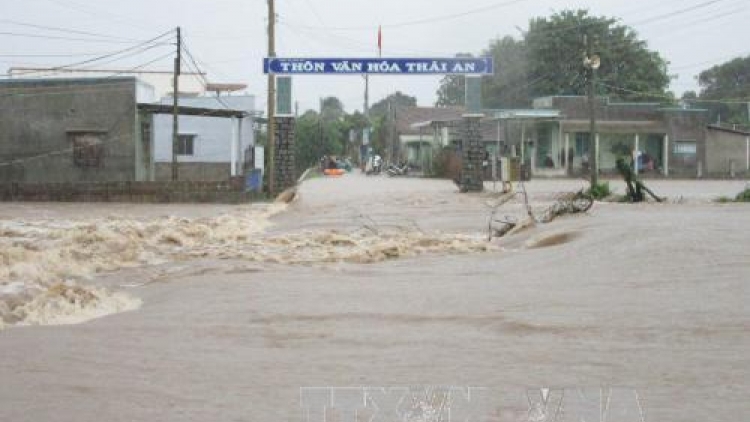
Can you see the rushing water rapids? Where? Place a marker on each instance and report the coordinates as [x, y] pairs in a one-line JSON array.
[[233, 324], [46, 263]]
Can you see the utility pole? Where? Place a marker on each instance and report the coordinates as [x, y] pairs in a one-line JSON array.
[[271, 99], [392, 138], [366, 109], [176, 106], [593, 150]]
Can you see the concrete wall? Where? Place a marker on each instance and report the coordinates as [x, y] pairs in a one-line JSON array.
[[724, 148], [232, 192], [214, 136], [686, 126], [193, 171], [39, 116]]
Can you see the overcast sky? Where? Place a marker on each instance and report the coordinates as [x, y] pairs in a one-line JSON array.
[[229, 36]]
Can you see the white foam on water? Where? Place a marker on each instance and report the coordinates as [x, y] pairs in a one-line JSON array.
[[328, 246], [62, 304], [37, 255]]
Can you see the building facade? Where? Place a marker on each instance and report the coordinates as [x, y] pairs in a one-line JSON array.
[[662, 140], [210, 148], [552, 138], [107, 130], [69, 130]]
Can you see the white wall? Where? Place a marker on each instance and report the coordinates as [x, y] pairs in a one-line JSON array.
[[144, 92], [213, 142]]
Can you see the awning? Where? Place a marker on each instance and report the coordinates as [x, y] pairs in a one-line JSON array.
[[192, 111]]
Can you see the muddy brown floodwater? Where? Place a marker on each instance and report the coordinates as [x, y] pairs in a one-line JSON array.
[[211, 313]]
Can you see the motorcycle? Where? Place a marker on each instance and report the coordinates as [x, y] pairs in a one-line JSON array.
[[394, 170]]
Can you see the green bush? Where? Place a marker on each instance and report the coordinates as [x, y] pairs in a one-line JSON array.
[[724, 200], [599, 191], [743, 196]]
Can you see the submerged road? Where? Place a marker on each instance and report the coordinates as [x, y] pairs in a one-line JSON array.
[[650, 300]]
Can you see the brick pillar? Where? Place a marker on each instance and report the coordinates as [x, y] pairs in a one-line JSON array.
[[286, 172], [472, 155]]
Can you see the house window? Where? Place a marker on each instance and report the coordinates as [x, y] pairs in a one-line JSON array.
[[185, 144], [685, 147], [88, 148], [582, 144]]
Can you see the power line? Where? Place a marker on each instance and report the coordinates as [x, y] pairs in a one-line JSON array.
[[54, 37], [691, 25], [112, 76], [53, 55], [106, 56], [419, 21], [65, 30], [315, 12], [311, 29], [96, 13], [201, 74], [677, 12], [722, 58], [663, 96]]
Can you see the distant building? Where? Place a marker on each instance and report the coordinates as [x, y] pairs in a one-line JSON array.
[[96, 130], [552, 138], [210, 148], [727, 151], [421, 131]]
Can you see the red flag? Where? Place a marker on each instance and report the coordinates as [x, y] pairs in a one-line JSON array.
[[380, 40]]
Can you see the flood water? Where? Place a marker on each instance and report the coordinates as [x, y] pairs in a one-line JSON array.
[[193, 313]]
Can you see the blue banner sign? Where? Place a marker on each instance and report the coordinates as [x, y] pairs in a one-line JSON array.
[[379, 66]]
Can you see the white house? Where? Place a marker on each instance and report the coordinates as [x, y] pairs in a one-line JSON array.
[[209, 148]]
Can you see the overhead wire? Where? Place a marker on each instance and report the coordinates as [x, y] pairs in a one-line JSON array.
[[663, 96], [87, 9], [145, 44], [420, 21], [65, 30], [45, 90]]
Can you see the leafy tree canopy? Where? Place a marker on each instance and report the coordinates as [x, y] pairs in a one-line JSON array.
[[730, 83], [332, 109], [397, 99], [548, 60], [316, 137]]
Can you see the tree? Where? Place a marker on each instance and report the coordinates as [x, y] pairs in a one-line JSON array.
[[316, 137], [331, 109], [549, 61], [452, 89], [556, 48], [729, 83], [397, 99], [689, 96], [508, 87], [355, 123]]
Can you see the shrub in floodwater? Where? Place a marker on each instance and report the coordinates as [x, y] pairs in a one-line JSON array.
[[743, 196], [724, 200], [599, 191]]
